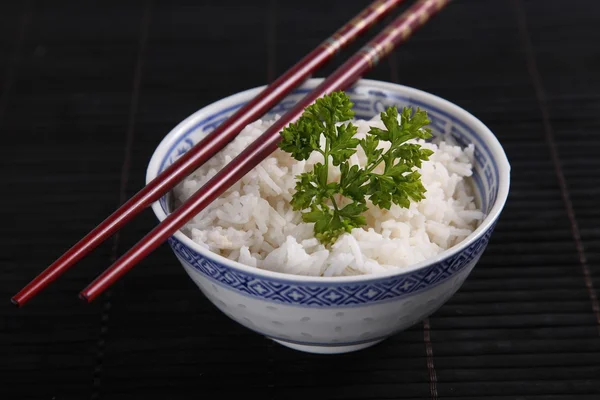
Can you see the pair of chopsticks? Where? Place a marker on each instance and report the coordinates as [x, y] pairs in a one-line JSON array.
[[398, 31]]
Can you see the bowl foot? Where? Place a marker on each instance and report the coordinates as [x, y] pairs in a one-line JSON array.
[[327, 349]]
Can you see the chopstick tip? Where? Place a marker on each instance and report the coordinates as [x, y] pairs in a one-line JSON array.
[[83, 297], [15, 302]]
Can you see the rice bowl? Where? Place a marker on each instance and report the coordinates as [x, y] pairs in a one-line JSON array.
[[353, 308]]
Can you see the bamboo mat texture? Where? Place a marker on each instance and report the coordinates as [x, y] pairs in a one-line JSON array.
[[87, 91]]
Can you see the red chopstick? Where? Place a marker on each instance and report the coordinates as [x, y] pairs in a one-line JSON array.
[[211, 144], [398, 31]]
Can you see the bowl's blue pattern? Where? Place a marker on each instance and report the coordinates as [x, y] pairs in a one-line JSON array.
[[331, 294], [316, 294]]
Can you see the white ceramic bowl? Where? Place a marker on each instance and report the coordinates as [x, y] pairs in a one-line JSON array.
[[340, 314]]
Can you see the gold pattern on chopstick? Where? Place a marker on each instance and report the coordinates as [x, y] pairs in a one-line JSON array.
[[379, 51], [337, 41], [334, 43], [406, 32], [365, 57], [364, 54], [327, 45], [369, 54], [392, 30], [411, 19], [386, 47], [403, 29], [389, 46], [380, 7], [341, 39], [358, 22]]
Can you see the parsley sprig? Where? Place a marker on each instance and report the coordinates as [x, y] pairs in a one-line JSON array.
[[337, 207]]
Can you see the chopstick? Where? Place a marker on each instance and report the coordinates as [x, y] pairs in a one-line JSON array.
[[347, 74], [211, 144]]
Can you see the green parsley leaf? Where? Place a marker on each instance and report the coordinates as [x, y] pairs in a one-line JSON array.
[[411, 154], [351, 182], [307, 188], [369, 145], [415, 124], [381, 189], [331, 109], [328, 226], [399, 183], [301, 139], [344, 145], [351, 215]]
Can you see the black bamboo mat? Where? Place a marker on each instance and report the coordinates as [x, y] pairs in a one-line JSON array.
[[87, 90]]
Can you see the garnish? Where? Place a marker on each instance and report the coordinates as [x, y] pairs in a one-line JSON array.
[[337, 207]]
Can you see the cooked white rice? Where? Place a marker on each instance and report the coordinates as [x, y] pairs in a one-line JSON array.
[[253, 222]]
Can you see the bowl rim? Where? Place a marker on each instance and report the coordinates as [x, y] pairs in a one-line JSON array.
[[488, 137]]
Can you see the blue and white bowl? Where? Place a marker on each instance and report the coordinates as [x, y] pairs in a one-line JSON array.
[[340, 314]]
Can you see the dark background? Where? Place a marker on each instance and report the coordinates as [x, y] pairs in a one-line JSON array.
[[86, 93]]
